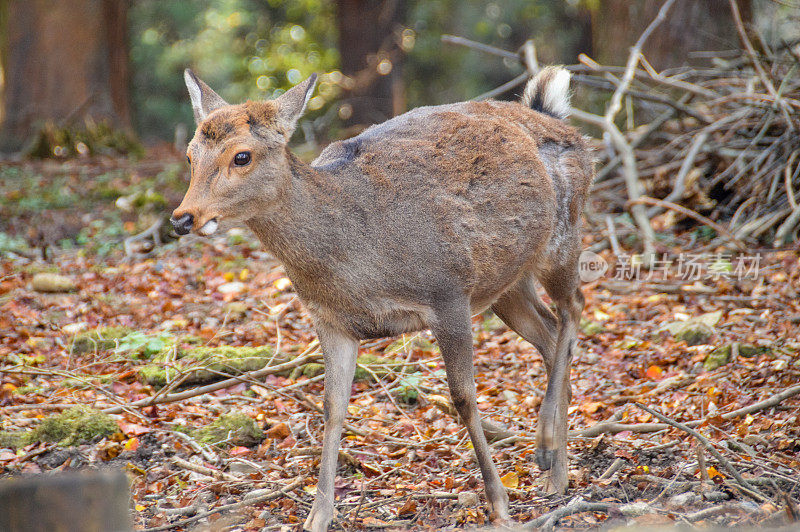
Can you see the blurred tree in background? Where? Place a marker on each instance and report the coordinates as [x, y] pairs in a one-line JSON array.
[[376, 58], [62, 61], [440, 73], [691, 27]]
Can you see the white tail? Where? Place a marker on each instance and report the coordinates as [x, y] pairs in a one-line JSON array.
[[548, 92]]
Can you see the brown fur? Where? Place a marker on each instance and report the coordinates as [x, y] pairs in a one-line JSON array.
[[415, 223], [240, 119]]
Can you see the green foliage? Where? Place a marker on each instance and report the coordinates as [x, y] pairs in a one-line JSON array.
[[123, 340], [245, 49], [233, 429], [255, 49], [13, 439], [145, 345], [408, 389], [11, 243]]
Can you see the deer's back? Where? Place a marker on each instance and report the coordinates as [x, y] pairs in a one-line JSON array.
[[457, 197]]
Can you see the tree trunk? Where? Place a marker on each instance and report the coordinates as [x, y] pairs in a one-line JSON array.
[[691, 26], [371, 59], [62, 60]]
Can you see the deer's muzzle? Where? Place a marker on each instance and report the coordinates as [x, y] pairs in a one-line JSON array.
[[183, 224]]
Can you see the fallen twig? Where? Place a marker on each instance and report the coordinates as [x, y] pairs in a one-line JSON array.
[[207, 471], [234, 506], [575, 506], [710, 448], [227, 383]]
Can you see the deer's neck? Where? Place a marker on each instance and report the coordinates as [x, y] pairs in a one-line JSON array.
[[301, 231]]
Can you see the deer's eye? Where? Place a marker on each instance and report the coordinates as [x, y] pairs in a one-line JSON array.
[[188, 160], [242, 158]]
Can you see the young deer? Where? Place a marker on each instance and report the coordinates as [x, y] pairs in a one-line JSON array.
[[418, 222]]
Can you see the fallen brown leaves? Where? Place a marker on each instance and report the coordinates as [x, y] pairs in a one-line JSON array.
[[406, 459]]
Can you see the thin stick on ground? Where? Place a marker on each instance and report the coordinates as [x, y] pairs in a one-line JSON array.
[[575, 506], [227, 383], [710, 448], [229, 507], [614, 426]]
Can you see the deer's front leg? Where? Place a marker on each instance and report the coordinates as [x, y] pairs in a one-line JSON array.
[[454, 334], [339, 352]]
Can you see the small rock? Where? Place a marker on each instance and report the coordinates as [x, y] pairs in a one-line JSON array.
[[236, 311], [695, 333], [717, 358], [591, 358], [717, 496], [233, 287], [242, 468], [74, 328], [468, 498], [750, 351], [683, 500], [635, 509], [510, 397], [52, 283]]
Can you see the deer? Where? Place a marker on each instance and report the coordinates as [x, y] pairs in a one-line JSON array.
[[419, 222]]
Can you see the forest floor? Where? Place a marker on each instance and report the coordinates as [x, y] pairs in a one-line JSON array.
[[92, 326]]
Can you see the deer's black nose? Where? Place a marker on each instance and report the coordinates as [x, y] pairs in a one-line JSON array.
[[183, 224]]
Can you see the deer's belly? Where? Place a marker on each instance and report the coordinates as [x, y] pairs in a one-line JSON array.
[[370, 321]]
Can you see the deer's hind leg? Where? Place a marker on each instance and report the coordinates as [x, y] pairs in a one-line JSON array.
[[554, 336]]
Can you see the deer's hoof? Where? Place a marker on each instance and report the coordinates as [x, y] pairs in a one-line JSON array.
[[500, 519], [556, 484], [545, 458], [498, 510], [319, 519]]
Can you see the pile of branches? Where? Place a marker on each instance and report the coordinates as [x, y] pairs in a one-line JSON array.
[[720, 145]]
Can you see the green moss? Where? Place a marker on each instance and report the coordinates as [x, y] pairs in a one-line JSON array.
[[717, 358], [87, 382], [75, 426], [726, 353], [313, 369], [380, 366], [100, 339], [13, 439], [590, 328], [233, 429], [750, 351], [415, 343], [367, 365], [204, 364]]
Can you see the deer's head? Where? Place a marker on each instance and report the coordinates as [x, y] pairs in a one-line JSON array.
[[238, 156]]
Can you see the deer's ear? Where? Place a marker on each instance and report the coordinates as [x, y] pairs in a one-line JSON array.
[[204, 99], [292, 103]]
